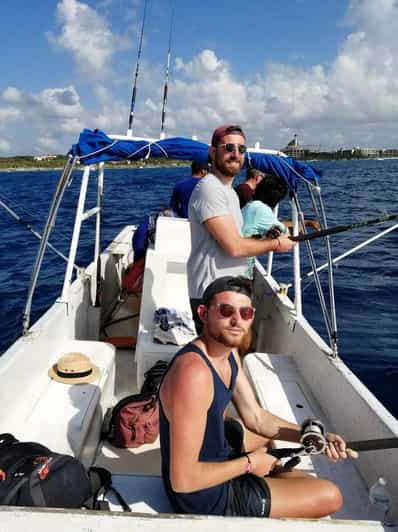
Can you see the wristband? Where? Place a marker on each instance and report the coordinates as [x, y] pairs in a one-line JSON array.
[[249, 465]]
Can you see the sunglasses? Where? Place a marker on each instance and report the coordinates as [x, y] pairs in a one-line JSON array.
[[230, 147], [226, 311]]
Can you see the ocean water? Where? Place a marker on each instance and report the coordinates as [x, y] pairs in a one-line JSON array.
[[366, 283]]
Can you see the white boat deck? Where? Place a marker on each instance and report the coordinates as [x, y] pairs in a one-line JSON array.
[[280, 389]]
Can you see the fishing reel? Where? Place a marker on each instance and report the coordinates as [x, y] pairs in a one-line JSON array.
[[313, 441], [313, 437], [274, 232]]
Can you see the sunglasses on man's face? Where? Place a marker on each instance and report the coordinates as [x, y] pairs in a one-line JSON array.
[[230, 147], [226, 311]]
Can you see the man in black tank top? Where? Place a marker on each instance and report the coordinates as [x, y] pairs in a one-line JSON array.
[[212, 466]]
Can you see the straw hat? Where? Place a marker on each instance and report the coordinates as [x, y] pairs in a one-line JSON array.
[[74, 368]]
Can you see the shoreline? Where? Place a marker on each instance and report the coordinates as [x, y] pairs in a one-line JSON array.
[[151, 166], [60, 168]]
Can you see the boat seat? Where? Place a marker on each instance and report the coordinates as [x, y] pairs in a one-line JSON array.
[[276, 383], [281, 389], [165, 281], [67, 418], [143, 493], [173, 236]]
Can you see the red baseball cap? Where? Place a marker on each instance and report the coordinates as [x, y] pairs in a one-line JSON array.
[[222, 131]]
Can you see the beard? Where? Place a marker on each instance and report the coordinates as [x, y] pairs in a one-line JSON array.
[[227, 339], [230, 167]]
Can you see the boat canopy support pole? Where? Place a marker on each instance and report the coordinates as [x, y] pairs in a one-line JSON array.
[[59, 192], [331, 279], [98, 235], [316, 278], [270, 255], [80, 216], [296, 263]]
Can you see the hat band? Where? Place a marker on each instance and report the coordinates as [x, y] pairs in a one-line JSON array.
[[76, 375]]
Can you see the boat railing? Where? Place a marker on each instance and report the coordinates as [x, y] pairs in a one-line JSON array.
[[59, 192], [80, 216]]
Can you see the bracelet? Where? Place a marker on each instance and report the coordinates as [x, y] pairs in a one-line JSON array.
[[249, 465]]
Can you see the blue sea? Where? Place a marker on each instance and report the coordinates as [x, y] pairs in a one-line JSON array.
[[366, 282]]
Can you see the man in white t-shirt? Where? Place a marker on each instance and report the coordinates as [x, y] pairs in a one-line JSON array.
[[218, 248]]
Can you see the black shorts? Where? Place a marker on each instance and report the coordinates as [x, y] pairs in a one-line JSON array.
[[248, 495]]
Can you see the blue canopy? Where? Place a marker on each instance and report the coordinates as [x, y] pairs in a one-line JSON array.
[[95, 146]]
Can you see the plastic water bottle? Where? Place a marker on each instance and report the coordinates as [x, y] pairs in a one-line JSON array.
[[380, 499]]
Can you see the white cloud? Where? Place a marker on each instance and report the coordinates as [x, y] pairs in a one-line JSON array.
[[11, 95], [47, 144], [354, 100], [5, 146], [54, 110], [8, 114], [86, 34], [351, 101]]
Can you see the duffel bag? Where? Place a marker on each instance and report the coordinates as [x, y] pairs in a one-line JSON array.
[[133, 421], [33, 475]]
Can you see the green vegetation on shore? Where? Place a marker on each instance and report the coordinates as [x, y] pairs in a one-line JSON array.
[[19, 162], [29, 162]]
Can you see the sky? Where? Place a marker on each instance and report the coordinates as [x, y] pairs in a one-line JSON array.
[[324, 70]]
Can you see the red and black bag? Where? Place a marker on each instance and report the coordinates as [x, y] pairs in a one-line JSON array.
[[33, 475], [133, 421]]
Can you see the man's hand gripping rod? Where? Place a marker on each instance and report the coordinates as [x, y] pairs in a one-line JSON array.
[[313, 440]]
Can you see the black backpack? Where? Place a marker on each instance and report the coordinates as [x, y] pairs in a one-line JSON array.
[[33, 475]]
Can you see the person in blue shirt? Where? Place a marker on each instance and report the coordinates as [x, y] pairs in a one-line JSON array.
[[183, 190]]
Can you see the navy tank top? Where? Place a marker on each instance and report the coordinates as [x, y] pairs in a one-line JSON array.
[[215, 448]]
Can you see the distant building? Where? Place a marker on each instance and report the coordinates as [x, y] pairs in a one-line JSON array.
[[389, 152], [366, 152], [293, 149], [44, 157]]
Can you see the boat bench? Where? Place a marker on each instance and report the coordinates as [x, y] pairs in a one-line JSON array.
[[165, 283], [67, 418], [143, 493], [281, 389]]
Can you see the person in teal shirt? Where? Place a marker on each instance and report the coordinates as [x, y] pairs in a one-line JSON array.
[[258, 215]]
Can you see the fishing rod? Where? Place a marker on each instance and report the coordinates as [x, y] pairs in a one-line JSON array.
[[27, 226], [137, 68], [342, 228], [167, 76], [347, 254], [373, 445], [314, 442]]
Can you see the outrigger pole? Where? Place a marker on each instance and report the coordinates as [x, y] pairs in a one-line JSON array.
[[342, 228], [166, 81], [137, 68], [27, 226]]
